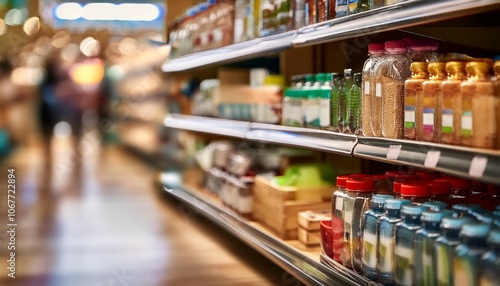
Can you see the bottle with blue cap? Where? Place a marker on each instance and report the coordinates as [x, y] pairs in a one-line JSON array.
[[468, 253], [464, 209], [435, 205], [444, 248], [424, 247], [385, 239], [370, 232], [490, 274], [404, 244]]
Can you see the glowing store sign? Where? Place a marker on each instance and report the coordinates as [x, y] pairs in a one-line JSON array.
[[145, 12]]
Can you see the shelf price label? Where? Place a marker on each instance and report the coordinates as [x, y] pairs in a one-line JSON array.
[[478, 166], [393, 152], [432, 159]]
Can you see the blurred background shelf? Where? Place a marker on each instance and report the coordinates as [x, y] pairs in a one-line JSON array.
[[302, 264]]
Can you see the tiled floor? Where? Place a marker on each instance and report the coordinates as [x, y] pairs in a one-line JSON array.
[[110, 226]]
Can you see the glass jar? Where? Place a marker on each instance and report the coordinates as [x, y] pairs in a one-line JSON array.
[[391, 74], [451, 103], [338, 197], [479, 108], [292, 107], [416, 192], [413, 100], [356, 203], [440, 190], [431, 123], [375, 53], [468, 253], [370, 233], [353, 110], [423, 50]]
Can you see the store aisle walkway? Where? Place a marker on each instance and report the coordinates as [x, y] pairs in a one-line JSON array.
[[110, 226]]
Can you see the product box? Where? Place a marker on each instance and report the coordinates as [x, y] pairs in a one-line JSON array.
[[309, 228]]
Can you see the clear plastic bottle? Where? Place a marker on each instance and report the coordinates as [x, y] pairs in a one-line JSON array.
[[325, 93], [391, 74], [385, 240], [347, 83], [425, 237], [370, 233], [444, 249], [335, 101], [468, 253], [404, 244], [431, 126], [353, 110], [375, 53], [413, 100], [292, 107], [479, 108], [490, 261], [451, 103], [337, 223], [357, 201]]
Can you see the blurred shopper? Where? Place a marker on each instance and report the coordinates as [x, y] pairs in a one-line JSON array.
[[5, 97]]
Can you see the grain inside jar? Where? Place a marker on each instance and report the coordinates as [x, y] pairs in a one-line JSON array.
[[376, 52]]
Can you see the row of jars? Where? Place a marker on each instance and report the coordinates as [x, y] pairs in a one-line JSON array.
[[328, 101], [217, 23], [383, 246]]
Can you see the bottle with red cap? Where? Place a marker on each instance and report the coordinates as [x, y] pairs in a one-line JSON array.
[[417, 192], [376, 53], [440, 190], [383, 185], [337, 223], [357, 201], [428, 175], [460, 190]]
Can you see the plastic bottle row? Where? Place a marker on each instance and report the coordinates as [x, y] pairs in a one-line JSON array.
[[413, 239]]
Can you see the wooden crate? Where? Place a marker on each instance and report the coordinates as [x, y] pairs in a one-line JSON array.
[[310, 220], [309, 238], [277, 207]]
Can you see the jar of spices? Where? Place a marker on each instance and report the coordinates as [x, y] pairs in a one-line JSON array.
[[375, 52], [417, 192], [353, 110], [356, 203], [479, 108], [431, 124], [413, 104], [451, 103], [391, 74]]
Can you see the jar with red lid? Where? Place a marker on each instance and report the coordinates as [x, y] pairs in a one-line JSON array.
[[416, 192], [338, 197], [396, 189], [460, 190], [440, 190], [491, 199], [357, 201], [428, 175]]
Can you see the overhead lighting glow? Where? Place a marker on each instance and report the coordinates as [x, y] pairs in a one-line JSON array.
[[108, 12]]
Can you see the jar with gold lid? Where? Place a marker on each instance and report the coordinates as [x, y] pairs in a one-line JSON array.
[[479, 107], [451, 102], [431, 121], [413, 92]]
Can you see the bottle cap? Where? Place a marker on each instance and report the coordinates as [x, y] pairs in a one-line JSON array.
[[494, 236], [454, 222], [415, 189], [482, 215], [428, 175], [361, 185], [435, 206], [347, 72], [422, 45], [430, 216], [396, 187], [437, 70], [406, 178], [320, 77], [376, 48], [464, 208], [379, 200], [460, 184], [476, 68], [395, 45], [358, 78], [357, 176], [293, 92], [417, 67], [476, 230], [412, 210], [448, 213], [392, 174], [341, 181], [440, 187], [395, 204], [455, 67], [309, 78]]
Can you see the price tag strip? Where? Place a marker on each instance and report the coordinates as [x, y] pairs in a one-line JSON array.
[[478, 166], [393, 152], [432, 159]]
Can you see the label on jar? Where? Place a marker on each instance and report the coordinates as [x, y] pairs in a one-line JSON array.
[[294, 113], [409, 116], [428, 120], [404, 265], [367, 88], [467, 123], [369, 250], [312, 114], [447, 121], [339, 203], [324, 113], [378, 89]]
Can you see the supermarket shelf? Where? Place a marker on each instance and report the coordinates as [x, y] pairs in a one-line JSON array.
[[402, 15], [231, 53], [480, 164], [310, 271], [268, 133]]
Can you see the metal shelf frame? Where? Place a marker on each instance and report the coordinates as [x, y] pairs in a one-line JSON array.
[[472, 163], [292, 260], [393, 17]]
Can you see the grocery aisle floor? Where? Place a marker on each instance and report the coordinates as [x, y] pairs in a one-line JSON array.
[[111, 227]]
